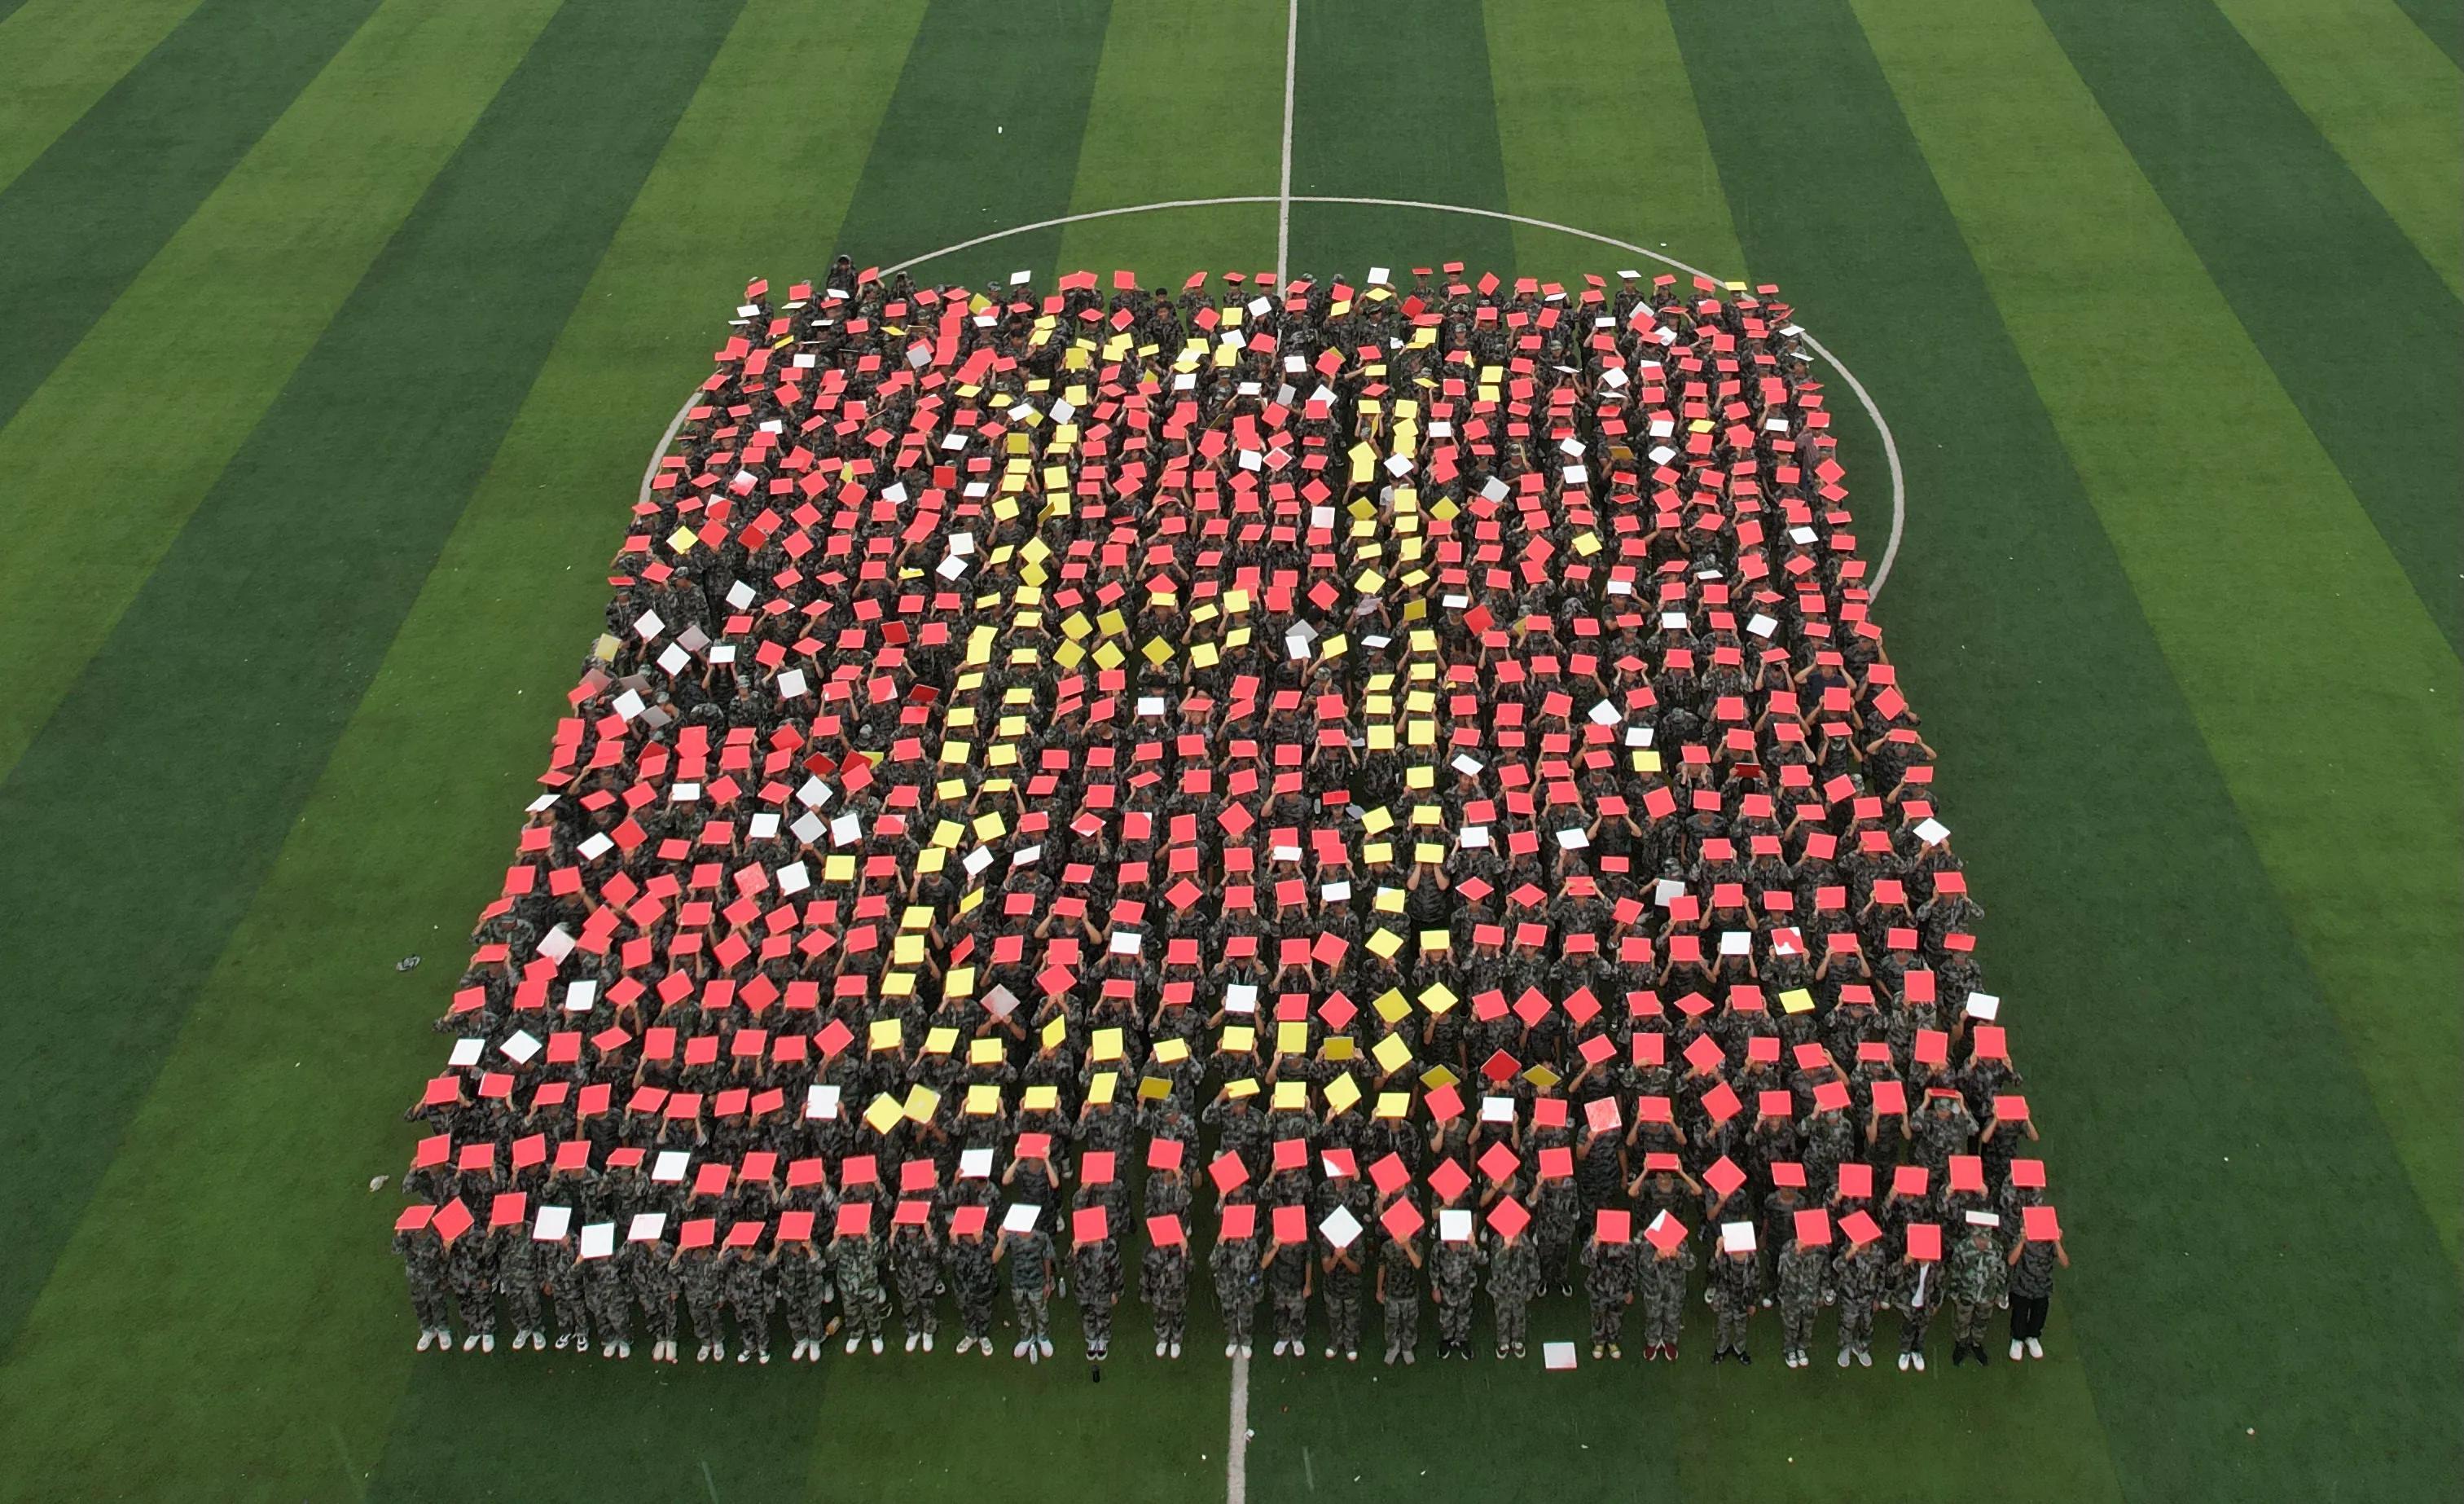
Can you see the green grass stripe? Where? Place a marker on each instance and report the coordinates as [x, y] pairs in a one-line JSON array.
[[1189, 103], [1395, 106], [2285, 229], [981, 134], [78, 224], [2342, 766], [2442, 21], [58, 57], [2208, 1131], [149, 809], [210, 330], [2383, 98], [1598, 119]]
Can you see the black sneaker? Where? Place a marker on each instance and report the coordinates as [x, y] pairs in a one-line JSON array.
[[1958, 1354], [1745, 1357]]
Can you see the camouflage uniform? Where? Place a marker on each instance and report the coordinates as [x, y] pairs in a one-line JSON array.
[[699, 1275], [915, 1269], [564, 1286], [751, 1293], [1097, 1268], [471, 1271], [1030, 1288], [1659, 1280], [976, 1282], [422, 1266], [1454, 1274], [602, 1288], [1288, 1283], [1801, 1268], [1856, 1279], [517, 1279], [857, 1262], [1163, 1285], [1234, 1265], [1980, 1284], [1400, 1302], [1735, 1286], [1609, 1283], [1513, 1280], [1916, 1289], [653, 1282], [802, 1277], [1556, 1222], [1341, 1270]]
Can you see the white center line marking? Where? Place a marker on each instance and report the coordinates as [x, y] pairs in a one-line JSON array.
[[1236, 1459], [1283, 202]]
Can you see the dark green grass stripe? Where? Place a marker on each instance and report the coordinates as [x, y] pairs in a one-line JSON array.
[[982, 133], [145, 815], [2209, 1136], [2442, 21], [2288, 233], [1395, 106], [9, 8], [80, 222]]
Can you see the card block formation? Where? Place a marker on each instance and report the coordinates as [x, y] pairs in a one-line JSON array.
[[1318, 763]]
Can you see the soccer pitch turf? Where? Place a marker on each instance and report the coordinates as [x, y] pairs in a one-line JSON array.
[[389, 301]]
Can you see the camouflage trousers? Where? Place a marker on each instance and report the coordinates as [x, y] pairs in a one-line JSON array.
[[1513, 1317], [919, 1309], [1403, 1324], [1291, 1316], [1733, 1323], [1343, 1320], [1170, 1320], [1797, 1325], [1034, 1310], [1454, 1320], [608, 1314], [662, 1319], [1912, 1328], [867, 1310], [1855, 1326], [524, 1299], [428, 1304], [572, 1315], [976, 1311], [703, 1305], [1975, 1321], [1095, 1321], [1607, 1318], [1556, 1255], [1664, 1316], [478, 1308], [753, 1328], [806, 1318], [1239, 1321]]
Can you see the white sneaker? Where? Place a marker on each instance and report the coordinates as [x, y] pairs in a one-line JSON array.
[[1019, 1351], [765, 1358], [1175, 1351], [928, 1341], [1279, 1348], [624, 1349], [2017, 1349], [1043, 1345], [1846, 1357], [1918, 1359], [912, 1338], [718, 1352], [1245, 1350], [1351, 1355], [1230, 1349], [1864, 1360], [744, 1355], [702, 1354], [854, 1343], [608, 1349], [1159, 1349], [564, 1340], [471, 1343], [427, 1339], [1409, 1359], [1330, 1352], [986, 1346], [1903, 1362], [2035, 1349]]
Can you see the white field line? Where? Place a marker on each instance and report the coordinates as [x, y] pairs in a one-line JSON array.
[[1284, 203], [1236, 1458]]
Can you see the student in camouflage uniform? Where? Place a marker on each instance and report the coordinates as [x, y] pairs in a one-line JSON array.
[[602, 1288], [1398, 1297], [915, 1269], [1513, 1280], [1857, 1273], [697, 1276], [1916, 1290], [650, 1271], [856, 1260], [1979, 1281], [1799, 1274], [1659, 1281], [1734, 1288], [561, 1269], [1290, 1281], [977, 1283], [803, 1278], [1342, 1270], [1454, 1277], [1096, 1265], [423, 1265], [1608, 1279], [519, 1285], [1163, 1285], [1030, 1256], [471, 1272], [1233, 1264], [751, 1293]]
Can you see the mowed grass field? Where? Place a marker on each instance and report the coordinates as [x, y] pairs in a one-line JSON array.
[[335, 334]]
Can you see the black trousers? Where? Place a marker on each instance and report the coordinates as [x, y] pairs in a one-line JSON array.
[[2028, 1315]]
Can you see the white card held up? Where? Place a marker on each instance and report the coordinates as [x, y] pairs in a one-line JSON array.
[[551, 1223], [521, 1047], [671, 1166], [599, 1240]]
